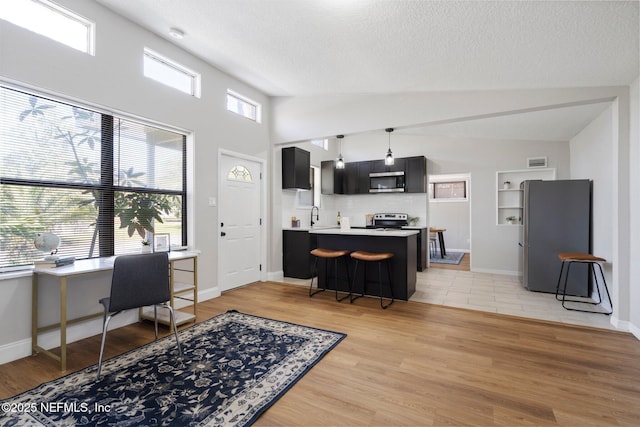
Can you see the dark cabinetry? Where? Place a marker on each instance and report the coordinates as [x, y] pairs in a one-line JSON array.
[[331, 178], [296, 260], [354, 178], [416, 174], [423, 241], [296, 168]]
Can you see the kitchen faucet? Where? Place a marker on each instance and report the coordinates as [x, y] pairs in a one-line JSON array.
[[317, 215]]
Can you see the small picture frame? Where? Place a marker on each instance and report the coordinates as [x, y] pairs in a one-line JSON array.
[[161, 242]]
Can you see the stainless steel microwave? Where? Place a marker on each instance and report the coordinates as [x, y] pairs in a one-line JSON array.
[[386, 182]]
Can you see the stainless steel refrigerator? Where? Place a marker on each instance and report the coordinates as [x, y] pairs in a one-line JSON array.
[[556, 218]]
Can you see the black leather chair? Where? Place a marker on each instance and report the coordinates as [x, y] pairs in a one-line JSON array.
[[138, 281]]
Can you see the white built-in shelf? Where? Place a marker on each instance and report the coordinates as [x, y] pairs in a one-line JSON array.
[[510, 198]]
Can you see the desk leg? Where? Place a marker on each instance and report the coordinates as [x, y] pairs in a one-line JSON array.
[[34, 313], [195, 284], [63, 323], [443, 252]]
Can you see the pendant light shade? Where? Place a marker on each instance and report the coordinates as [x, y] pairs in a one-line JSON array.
[[388, 159], [340, 159]]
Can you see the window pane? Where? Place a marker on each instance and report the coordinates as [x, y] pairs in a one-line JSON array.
[[449, 190], [50, 20], [147, 157], [243, 106], [169, 73], [239, 173], [54, 177], [139, 215], [43, 140], [26, 211]]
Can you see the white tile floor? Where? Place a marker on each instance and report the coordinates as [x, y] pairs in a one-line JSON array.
[[498, 294], [493, 293]]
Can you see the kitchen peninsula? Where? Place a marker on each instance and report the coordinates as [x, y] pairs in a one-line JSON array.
[[402, 243]]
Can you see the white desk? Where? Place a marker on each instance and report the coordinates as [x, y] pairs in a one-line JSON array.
[[94, 265]]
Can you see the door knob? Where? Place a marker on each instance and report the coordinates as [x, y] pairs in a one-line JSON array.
[[223, 233]]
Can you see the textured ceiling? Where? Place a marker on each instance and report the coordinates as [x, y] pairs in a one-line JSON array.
[[316, 47], [302, 47]]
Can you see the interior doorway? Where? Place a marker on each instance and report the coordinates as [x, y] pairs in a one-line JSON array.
[[450, 210]]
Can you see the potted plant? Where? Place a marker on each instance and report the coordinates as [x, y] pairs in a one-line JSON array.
[[146, 246], [513, 219]]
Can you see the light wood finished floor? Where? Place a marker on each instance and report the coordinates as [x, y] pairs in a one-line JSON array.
[[465, 264], [416, 364]]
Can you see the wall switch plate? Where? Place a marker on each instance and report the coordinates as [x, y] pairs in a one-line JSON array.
[[212, 201]]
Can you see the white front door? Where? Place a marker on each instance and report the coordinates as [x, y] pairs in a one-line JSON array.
[[239, 227]]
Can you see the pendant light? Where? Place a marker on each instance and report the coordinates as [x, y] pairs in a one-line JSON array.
[[388, 160], [340, 160]]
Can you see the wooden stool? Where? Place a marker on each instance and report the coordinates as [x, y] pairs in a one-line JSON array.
[[328, 254], [569, 258], [373, 257]]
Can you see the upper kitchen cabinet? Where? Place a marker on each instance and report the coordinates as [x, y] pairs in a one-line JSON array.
[[331, 178], [355, 179], [296, 166], [350, 183], [415, 174]]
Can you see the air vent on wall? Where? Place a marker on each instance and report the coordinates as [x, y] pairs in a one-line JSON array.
[[536, 162]]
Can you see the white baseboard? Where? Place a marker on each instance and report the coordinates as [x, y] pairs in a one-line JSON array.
[[635, 330], [51, 339], [209, 293], [15, 350], [275, 276]]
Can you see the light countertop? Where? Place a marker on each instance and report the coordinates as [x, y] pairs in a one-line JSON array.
[[376, 232]]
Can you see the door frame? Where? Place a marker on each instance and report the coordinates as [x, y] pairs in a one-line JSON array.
[[263, 209]]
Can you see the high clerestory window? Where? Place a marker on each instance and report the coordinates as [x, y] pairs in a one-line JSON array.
[[170, 73], [101, 183], [244, 106], [51, 20]]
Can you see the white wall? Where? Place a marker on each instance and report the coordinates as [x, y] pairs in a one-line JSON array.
[[592, 158], [606, 151], [634, 194], [113, 80]]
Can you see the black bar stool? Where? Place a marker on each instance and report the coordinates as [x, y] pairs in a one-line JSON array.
[[377, 257], [569, 258], [328, 254]]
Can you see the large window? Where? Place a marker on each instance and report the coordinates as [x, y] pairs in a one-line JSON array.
[[99, 182]]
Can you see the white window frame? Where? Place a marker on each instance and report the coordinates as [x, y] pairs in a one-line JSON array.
[[321, 142], [435, 179], [55, 12], [173, 66], [246, 100]]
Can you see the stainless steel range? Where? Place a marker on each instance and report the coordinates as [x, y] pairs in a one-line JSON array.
[[390, 220]]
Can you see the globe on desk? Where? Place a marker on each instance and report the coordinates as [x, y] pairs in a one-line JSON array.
[[47, 242]]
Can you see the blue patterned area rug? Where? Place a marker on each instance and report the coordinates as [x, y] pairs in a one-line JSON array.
[[449, 258], [234, 367]]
